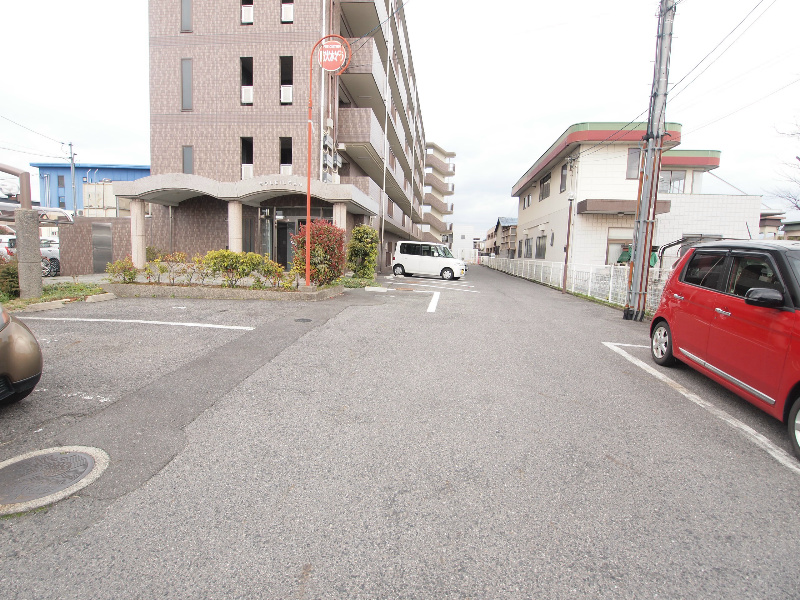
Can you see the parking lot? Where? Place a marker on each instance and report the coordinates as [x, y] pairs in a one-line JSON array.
[[504, 441]]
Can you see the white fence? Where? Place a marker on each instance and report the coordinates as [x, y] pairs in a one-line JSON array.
[[608, 283]]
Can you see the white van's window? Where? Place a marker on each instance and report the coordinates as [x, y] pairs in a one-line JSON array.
[[446, 252], [412, 249]]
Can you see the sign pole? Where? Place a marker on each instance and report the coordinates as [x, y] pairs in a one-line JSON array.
[[334, 56]]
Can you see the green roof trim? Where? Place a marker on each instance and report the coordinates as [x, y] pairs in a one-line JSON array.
[[694, 153]]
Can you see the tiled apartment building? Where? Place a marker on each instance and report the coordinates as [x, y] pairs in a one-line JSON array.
[[439, 168], [583, 192], [229, 96]]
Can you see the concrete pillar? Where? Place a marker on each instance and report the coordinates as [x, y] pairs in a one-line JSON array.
[[29, 258], [138, 238], [340, 215], [235, 226]]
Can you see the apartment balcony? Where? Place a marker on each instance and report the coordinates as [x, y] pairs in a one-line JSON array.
[[361, 134], [365, 18], [445, 169], [365, 78], [445, 189], [435, 223], [438, 205]]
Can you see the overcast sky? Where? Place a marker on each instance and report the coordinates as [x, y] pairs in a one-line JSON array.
[[498, 82]]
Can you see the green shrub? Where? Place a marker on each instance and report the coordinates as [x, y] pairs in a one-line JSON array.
[[362, 252], [232, 266], [327, 252], [9, 279], [151, 253], [122, 271], [175, 264]]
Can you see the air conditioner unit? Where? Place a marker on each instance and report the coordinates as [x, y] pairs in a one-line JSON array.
[[327, 177], [327, 142], [286, 169], [247, 171], [286, 92], [337, 161], [373, 222], [327, 161], [287, 13], [247, 15], [247, 94]]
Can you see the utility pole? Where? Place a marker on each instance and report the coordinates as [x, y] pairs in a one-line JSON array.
[[648, 176], [72, 175]]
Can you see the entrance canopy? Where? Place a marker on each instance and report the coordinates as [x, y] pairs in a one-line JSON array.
[[171, 189]]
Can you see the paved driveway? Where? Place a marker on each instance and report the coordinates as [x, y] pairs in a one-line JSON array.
[[370, 447]]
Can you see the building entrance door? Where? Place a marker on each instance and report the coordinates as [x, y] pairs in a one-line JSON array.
[[284, 250]]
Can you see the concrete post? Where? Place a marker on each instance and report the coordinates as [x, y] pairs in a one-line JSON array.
[[138, 243], [235, 226], [29, 258], [340, 215]]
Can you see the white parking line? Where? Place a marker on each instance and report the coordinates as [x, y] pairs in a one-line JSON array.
[[439, 287], [783, 457], [434, 302], [173, 324]]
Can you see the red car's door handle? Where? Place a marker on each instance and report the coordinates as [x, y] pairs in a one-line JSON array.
[[677, 297], [723, 312]]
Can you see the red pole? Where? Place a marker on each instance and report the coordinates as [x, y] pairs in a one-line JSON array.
[[308, 169]]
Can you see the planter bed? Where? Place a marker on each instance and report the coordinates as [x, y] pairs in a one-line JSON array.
[[160, 290]]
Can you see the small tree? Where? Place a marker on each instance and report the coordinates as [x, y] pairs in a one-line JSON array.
[[362, 252], [327, 252]]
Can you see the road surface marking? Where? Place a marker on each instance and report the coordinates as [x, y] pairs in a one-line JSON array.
[[434, 302], [172, 324], [439, 287], [783, 457]]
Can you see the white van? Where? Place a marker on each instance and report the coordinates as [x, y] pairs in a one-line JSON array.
[[425, 258]]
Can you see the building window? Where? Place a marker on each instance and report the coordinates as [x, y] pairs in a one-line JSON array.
[[544, 187], [286, 155], [186, 84], [287, 11], [287, 79], [563, 187], [671, 182], [247, 79], [60, 192], [247, 157], [247, 12], [188, 160], [634, 157], [541, 246], [186, 15]]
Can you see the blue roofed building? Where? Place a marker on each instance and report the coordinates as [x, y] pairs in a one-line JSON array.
[[55, 182]]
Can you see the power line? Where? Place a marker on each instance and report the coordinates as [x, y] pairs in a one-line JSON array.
[[31, 130], [718, 45], [32, 153], [746, 106]]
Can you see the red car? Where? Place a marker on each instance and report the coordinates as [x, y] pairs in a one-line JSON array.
[[731, 310]]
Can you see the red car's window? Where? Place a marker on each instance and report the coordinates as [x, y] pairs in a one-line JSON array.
[[706, 270], [753, 272]]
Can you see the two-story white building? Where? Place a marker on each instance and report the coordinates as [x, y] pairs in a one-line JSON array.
[[581, 196]]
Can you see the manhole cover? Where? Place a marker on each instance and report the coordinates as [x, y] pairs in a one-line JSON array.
[[45, 476], [302, 320]]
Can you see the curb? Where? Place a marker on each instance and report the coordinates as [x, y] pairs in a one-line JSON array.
[[133, 290]]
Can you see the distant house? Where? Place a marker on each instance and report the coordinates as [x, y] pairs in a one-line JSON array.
[[791, 229], [55, 185], [583, 192], [504, 238]]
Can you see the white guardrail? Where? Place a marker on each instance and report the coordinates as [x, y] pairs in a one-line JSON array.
[[608, 283]]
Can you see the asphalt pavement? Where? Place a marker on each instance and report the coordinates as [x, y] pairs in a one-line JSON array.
[[383, 445]]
